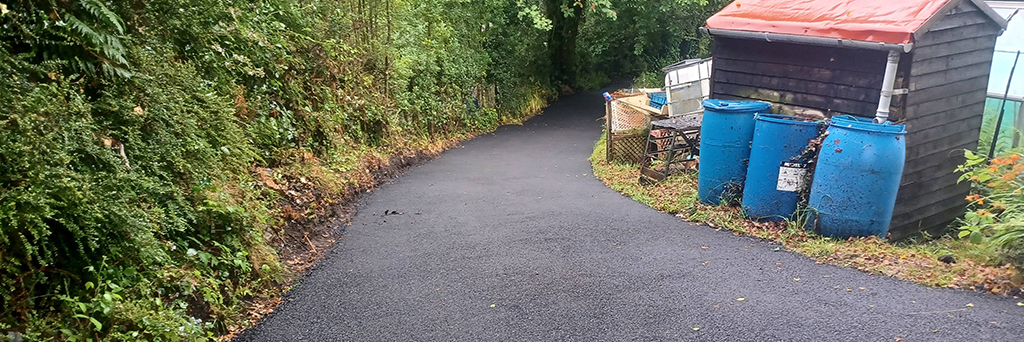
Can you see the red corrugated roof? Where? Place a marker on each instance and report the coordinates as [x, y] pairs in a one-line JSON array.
[[883, 21]]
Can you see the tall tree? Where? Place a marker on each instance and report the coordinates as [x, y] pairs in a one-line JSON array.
[[566, 18]]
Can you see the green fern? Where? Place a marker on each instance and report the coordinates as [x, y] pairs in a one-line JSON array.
[[103, 13]]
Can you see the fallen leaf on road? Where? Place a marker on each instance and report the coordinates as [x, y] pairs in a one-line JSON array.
[[696, 328], [796, 279], [741, 299], [703, 247], [861, 288], [1020, 304], [970, 305]]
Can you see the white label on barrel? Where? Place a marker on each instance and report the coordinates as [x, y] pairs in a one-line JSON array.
[[792, 177]]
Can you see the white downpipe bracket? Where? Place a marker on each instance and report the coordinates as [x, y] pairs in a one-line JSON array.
[[888, 83]]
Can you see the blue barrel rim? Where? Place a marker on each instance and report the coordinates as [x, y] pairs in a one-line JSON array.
[[852, 118], [731, 106], [871, 127], [783, 119]]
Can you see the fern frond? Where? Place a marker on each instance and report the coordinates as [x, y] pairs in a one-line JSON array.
[[100, 11]]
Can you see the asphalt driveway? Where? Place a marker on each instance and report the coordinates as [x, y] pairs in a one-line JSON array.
[[510, 238]]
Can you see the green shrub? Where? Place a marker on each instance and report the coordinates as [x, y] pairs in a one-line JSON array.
[[131, 132], [995, 214]]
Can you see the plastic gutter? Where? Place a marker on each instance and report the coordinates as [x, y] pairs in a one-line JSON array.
[[808, 40]]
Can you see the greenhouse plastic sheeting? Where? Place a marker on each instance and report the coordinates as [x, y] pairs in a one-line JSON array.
[[883, 21], [1007, 45], [1012, 121]]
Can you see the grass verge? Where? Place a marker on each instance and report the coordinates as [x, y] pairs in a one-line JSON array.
[[912, 259]]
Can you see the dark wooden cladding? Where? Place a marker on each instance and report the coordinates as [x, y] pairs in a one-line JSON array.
[[922, 67], [823, 103], [960, 20], [955, 47], [800, 78], [938, 119], [950, 77], [865, 61], [945, 159], [801, 72], [948, 81], [853, 93], [922, 111], [929, 136], [961, 33], [915, 150]]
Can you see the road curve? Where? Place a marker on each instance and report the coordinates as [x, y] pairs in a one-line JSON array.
[[509, 237]]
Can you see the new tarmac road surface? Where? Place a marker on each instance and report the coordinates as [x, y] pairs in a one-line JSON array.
[[509, 237]]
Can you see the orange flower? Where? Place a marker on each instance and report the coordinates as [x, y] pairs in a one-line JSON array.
[[993, 168], [983, 212], [1015, 157], [1009, 176], [1002, 161], [1017, 191]]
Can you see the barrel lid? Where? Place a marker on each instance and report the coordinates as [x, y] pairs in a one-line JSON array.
[[784, 119], [869, 126], [735, 106]]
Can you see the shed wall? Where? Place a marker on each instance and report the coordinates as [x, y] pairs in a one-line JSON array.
[[802, 79], [948, 81]]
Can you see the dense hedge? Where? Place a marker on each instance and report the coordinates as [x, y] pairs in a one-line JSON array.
[[130, 130]]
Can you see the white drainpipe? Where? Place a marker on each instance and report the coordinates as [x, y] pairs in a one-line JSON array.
[[888, 83]]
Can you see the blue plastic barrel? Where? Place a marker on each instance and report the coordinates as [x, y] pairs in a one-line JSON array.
[[856, 179], [725, 136], [778, 139]]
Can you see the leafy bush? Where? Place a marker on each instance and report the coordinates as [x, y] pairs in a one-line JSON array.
[[644, 36], [132, 131], [995, 214]]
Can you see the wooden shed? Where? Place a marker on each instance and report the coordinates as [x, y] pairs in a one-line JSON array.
[[924, 63]]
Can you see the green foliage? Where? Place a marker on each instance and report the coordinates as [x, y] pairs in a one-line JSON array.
[[995, 215], [645, 36], [131, 131], [83, 35]]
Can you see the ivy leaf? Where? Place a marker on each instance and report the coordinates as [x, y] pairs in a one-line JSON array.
[[976, 237]]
